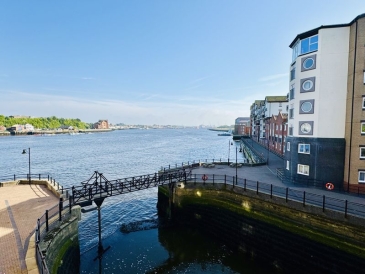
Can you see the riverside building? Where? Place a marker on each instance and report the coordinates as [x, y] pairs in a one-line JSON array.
[[326, 121]]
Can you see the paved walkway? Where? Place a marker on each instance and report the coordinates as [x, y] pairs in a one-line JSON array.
[[20, 207], [267, 174]]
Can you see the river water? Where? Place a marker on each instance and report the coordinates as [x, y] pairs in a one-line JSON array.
[[71, 159]]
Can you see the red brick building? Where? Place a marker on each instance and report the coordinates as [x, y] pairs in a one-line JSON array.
[[276, 131], [101, 124]]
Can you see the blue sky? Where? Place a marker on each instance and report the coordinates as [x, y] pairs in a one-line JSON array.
[[185, 62]]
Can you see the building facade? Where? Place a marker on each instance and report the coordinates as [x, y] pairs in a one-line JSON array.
[[324, 122], [276, 133], [241, 125], [101, 124]]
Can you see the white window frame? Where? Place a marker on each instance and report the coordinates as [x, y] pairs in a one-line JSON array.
[[362, 149], [287, 164], [304, 170], [361, 181], [362, 127], [288, 146], [302, 148]]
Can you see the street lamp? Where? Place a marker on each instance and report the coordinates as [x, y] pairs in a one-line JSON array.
[[229, 149], [268, 151], [25, 152], [236, 164]]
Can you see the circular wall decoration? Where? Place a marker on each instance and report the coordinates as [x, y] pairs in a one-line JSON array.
[[306, 106], [308, 63], [306, 128], [307, 85]]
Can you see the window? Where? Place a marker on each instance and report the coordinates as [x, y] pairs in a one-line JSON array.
[[364, 76], [287, 165], [288, 146], [291, 131], [309, 62], [363, 128], [361, 176], [306, 106], [276, 127], [362, 152], [305, 128], [304, 148], [307, 84], [281, 127], [291, 92], [295, 50], [292, 74], [280, 104], [291, 113], [363, 103], [309, 44], [303, 169]]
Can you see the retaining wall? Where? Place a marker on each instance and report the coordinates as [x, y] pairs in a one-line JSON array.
[[290, 237]]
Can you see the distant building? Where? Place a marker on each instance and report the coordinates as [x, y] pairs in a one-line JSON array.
[[276, 132], [28, 127], [241, 126], [2, 128], [101, 124], [16, 128], [19, 116]]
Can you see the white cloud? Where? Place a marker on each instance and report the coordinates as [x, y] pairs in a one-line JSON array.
[[273, 77]]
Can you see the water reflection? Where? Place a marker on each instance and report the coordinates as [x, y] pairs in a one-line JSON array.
[[168, 250]]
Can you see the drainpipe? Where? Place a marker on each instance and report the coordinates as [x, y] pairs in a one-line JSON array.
[[352, 110]]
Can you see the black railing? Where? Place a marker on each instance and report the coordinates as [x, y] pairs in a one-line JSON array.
[[49, 220], [306, 198], [99, 186]]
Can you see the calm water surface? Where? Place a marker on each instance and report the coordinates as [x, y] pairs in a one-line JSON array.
[[71, 159]]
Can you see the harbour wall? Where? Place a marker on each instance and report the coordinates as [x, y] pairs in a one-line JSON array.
[[291, 237]]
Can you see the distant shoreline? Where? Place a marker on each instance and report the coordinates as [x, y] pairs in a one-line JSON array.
[[52, 132]]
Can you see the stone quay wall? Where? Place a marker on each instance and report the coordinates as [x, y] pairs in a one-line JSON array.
[[289, 236]]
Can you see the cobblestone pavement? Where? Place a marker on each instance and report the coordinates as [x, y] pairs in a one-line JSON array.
[[20, 207]]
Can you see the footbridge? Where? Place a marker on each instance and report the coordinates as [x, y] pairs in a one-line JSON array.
[[98, 187]]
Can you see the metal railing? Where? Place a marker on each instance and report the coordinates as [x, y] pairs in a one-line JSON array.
[[52, 218], [306, 198]]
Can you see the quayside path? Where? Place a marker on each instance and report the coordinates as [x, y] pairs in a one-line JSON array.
[[20, 207]]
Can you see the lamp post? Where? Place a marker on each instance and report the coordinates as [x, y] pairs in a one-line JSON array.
[[25, 152], [268, 151], [236, 165], [229, 149]]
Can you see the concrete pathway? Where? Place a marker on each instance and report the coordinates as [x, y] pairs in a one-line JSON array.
[[20, 207], [267, 174]]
